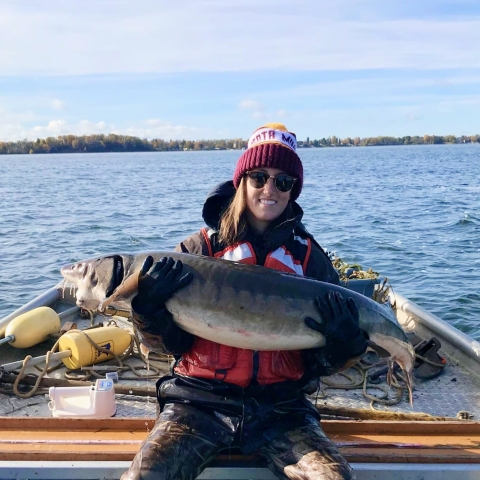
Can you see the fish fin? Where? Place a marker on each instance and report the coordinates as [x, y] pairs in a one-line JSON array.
[[390, 373], [409, 383], [381, 352]]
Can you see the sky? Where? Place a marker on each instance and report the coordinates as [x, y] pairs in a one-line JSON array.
[[211, 69]]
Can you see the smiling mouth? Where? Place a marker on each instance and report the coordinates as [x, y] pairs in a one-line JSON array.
[[267, 202]]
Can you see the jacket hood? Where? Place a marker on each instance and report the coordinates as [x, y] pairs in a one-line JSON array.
[[217, 201], [219, 198]]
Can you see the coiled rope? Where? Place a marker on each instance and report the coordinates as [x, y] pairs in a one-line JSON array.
[[363, 368], [133, 350]]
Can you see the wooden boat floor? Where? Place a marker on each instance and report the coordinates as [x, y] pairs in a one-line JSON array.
[[118, 439]]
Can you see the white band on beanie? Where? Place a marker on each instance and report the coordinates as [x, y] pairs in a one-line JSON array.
[[270, 135]]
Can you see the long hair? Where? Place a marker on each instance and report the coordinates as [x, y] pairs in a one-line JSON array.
[[233, 221]]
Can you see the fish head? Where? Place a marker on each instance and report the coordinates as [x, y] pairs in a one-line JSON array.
[[96, 279]]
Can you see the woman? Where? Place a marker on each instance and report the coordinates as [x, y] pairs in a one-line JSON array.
[[219, 397]]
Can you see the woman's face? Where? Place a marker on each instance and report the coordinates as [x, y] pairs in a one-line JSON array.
[[265, 204]]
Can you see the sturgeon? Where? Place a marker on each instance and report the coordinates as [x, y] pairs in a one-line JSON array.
[[244, 306]]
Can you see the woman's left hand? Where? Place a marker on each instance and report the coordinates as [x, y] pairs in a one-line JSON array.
[[344, 339]]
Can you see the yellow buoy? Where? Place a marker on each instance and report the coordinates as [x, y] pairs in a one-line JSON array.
[[32, 327], [83, 353]]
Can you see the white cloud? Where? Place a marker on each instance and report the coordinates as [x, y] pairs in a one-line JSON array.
[[54, 127], [250, 105], [58, 104], [259, 115], [12, 124], [65, 38], [156, 128], [85, 127], [258, 111], [13, 128], [412, 117]]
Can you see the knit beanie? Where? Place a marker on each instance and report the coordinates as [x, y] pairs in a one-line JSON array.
[[272, 146]]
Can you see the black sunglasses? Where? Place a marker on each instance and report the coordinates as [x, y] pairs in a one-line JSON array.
[[282, 181]]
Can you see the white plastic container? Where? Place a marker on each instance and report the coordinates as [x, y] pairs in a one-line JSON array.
[[95, 401]]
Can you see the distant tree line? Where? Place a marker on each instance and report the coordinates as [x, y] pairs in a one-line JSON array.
[[334, 141], [113, 143], [125, 143]]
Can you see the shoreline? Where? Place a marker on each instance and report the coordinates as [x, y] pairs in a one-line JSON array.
[[113, 143], [310, 147]]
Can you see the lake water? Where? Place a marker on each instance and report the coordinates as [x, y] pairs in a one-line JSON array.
[[411, 213]]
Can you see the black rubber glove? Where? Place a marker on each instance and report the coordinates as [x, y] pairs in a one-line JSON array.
[[344, 338], [157, 284], [341, 318]]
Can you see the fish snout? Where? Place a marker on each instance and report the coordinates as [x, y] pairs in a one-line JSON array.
[[80, 302], [74, 271], [86, 302]]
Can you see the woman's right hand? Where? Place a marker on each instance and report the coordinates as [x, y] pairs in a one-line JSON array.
[[157, 283]]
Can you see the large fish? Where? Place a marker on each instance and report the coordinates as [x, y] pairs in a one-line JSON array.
[[240, 305]]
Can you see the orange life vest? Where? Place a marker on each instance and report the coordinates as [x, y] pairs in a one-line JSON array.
[[207, 359]]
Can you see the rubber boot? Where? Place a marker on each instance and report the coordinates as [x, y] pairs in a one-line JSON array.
[[306, 453], [180, 445]]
